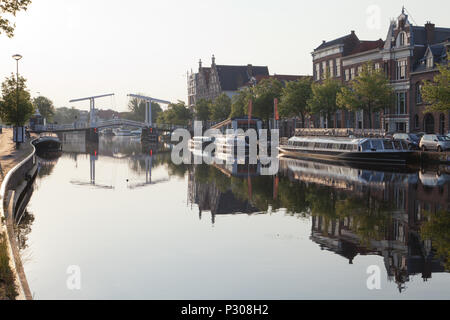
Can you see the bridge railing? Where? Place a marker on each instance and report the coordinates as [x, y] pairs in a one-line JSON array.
[[105, 123]]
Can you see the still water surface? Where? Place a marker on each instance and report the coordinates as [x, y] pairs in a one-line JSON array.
[[139, 227]]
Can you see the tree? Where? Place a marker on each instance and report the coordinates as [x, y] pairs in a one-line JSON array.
[[437, 229], [176, 114], [239, 103], [203, 110], [11, 7], [370, 91], [323, 99], [265, 93], [294, 99], [45, 107], [221, 108], [15, 110], [66, 115], [437, 93], [137, 108]]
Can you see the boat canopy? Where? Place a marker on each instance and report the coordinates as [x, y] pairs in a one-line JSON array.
[[348, 144]]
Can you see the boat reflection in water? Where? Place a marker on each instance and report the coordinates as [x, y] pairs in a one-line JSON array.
[[353, 211]]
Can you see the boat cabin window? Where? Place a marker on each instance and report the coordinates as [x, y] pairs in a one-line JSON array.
[[377, 144], [366, 146], [397, 145], [404, 144], [388, 145]]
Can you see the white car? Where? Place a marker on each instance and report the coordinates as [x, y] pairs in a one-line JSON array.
[[435, 142]]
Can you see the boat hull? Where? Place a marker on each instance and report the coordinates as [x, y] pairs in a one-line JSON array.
[[384, 158], [48, 145]]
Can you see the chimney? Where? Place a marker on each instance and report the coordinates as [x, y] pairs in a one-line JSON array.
[[213, 59], [200, 65], [250, 70], [353, 32], [429, 28]]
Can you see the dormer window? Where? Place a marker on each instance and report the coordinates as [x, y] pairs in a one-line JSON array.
[[402, 39], [430, 62]]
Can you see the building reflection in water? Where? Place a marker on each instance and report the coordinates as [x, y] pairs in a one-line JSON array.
[[353, 211]]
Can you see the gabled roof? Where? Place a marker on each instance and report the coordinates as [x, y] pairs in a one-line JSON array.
[[439, 53], [367, 46], [233, 77], [437, 50], [334, 42]]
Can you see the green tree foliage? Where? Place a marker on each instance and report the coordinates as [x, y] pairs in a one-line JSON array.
[[176, 114], [294, 99], [15, 109], [137, 110], [203, 110], [437, 93], [10, 7], [45, 107], [239, 103], [265, 93], [369, 91], [221, 108], [66, 115], [437, 229], [323, 99]]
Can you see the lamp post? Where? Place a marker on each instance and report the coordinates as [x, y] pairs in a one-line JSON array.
[[17, 57]]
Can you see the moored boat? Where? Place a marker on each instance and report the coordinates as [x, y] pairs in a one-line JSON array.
[[367, 150], [123, 132], [48, 142]]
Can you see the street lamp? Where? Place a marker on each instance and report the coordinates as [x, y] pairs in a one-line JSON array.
[[17, 57]]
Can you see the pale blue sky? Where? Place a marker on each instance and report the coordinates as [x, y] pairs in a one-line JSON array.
[[78, 48]]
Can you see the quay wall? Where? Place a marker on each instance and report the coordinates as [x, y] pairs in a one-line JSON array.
[[12, 191]]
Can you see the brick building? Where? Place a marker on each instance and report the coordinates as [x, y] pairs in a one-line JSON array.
[[210, 82], [408, 57]]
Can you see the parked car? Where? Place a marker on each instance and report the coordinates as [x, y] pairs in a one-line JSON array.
[[420, 134], [410, 138], [435, 142]]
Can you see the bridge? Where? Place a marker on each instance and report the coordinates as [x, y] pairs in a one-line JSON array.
[[149, 130], [103, 124]]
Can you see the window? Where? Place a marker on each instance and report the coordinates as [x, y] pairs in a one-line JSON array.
[[377, 66], [347, 74], [400, 126], [430, 62], [418, 93], [397, 145], [338, 67], [401, 103], [324, 69], [377, 144], [366, 146], [360, 70], [401, 70], [331, 68], [352, 73], [402, 39], [388, 145]]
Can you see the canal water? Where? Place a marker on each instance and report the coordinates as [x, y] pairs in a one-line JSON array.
[[120, 221]]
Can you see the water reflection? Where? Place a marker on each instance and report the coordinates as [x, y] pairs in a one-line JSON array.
[[398, 217], [401, 216]]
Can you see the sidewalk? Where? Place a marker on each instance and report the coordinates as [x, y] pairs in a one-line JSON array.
[[9, 155]]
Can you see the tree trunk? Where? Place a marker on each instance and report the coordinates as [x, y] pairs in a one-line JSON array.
[[370, 117]]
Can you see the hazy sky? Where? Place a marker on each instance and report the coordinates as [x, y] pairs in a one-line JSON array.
[[79, 48]]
